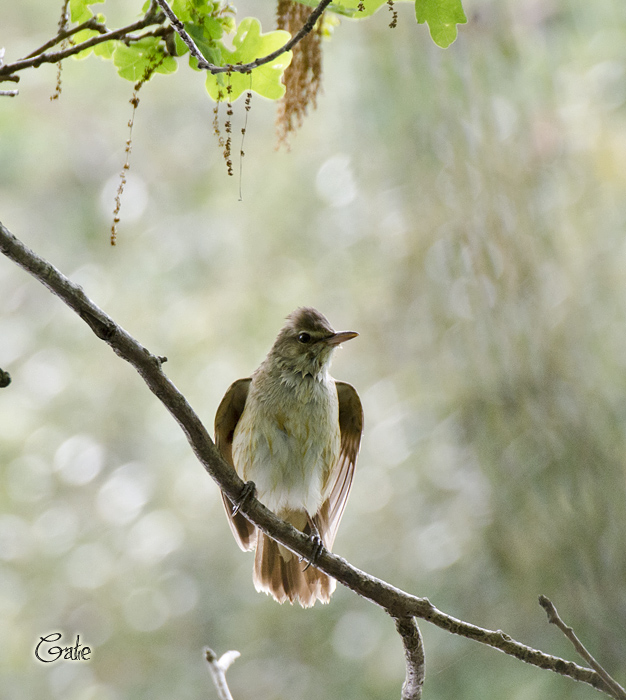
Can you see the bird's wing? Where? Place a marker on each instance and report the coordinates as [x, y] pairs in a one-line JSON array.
[[226, 419], [351, 427]]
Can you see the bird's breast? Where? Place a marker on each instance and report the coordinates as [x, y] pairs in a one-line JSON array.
[[288, 443]]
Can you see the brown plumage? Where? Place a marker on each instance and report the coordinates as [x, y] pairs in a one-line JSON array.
[[294, 431]]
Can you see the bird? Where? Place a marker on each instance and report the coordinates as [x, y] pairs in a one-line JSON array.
[[294, 432]]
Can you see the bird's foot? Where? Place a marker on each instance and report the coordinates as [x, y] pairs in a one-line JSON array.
[[317, 552], [317, 542], [248, 490]]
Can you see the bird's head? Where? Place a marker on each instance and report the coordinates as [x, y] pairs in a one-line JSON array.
[[306, 343]]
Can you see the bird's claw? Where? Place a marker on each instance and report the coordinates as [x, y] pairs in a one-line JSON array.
[[318, 545], [248, 490]]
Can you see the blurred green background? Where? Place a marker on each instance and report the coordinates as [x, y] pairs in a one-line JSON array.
[[465, 211]]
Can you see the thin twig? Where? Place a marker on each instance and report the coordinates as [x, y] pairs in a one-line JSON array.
[[36, 58], [414, 657], [394, 601], [614, 688], [122, 33], [91, 23], [307, 27], [218, 668]]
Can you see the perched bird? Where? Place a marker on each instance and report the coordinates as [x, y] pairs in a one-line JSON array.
[[295, 432]]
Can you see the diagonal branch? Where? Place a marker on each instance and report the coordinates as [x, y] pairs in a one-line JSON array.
[[614, 688], [397, 603], [34, 61], [91, 23], [307, 28]]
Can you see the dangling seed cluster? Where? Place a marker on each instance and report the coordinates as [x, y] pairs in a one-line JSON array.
[[134, 101], [64, 21], [216, 120], [228, 128], [303, 76], [247, 105], [394, 14]]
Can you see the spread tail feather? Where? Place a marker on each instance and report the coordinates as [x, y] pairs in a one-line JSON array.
[[280, 573]]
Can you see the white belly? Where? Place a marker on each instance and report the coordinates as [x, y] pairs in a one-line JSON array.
[[288, 447]]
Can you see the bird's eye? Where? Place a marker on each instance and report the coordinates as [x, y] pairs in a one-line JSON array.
[[304, 338]]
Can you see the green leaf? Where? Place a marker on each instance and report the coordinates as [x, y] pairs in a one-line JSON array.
[[105, 50], [181, 47], [79, 10], [442, 17], [251, 44], [134, 61], [182, 9], [204, 39], [213, 28], [350, 7], [197, 10], [205, 22]]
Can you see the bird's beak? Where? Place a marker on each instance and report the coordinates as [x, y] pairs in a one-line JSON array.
[[342, 336]]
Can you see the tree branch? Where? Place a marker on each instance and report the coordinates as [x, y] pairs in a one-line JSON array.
[[218, 668], [414, 657], [91, 23], [613, 687], [397, 603], [39, 57], [34, 61], [307, 27]]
